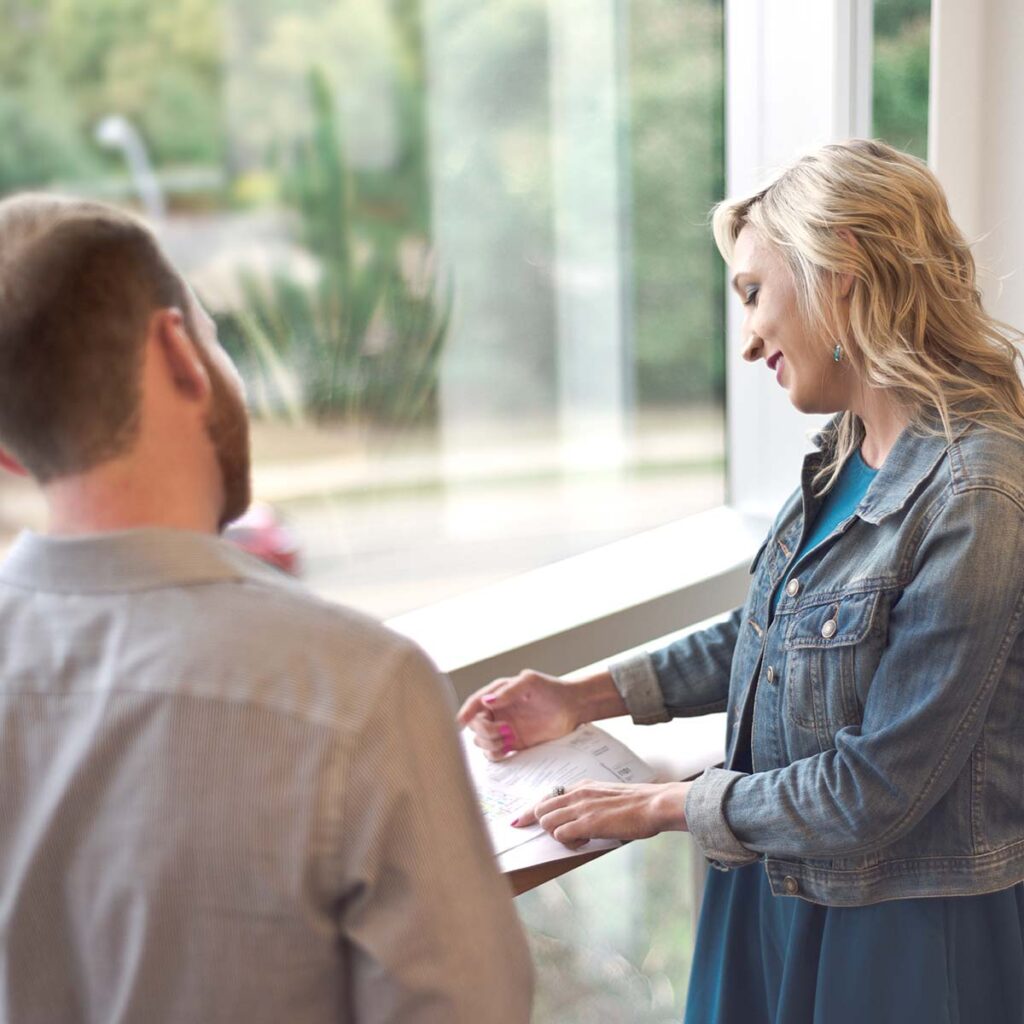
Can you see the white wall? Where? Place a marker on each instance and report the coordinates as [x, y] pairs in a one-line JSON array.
[[976, 137]]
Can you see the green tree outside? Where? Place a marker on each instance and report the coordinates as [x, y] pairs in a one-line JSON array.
[[901, 68]]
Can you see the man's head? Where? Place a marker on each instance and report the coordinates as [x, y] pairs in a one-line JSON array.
[[83, 288]]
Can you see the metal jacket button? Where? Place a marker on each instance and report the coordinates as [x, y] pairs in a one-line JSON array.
[[790, 885], [828, 630], [770, 674], [793, 587]]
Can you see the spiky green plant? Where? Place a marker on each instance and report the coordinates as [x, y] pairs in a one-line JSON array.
[[364, 341]]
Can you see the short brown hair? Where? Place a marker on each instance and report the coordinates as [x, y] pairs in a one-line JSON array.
[[78, 283]]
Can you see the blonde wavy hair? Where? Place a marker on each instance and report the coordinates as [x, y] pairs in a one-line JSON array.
[[916, 326]]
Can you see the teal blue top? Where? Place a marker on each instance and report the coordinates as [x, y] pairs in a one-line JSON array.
[[840, 503], [780, 960]]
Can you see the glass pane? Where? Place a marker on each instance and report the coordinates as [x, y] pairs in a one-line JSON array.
[[613, 940], [459, 251], [901, 63]]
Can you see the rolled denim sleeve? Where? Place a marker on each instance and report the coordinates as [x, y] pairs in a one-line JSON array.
[[686, 678], [950, 635], [706, 822], [638, 685]]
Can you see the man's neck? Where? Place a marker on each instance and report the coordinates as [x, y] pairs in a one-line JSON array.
[[111, 498]]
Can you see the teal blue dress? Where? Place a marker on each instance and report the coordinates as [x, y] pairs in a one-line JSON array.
[[766, 959]]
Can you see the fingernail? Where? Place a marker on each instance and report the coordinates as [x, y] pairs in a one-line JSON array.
[[514, 822], [489, 699]]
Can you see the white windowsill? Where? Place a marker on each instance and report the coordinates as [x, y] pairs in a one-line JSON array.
[[591, 607]]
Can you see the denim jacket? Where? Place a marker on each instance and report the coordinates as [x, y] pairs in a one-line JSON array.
[[882, 698]]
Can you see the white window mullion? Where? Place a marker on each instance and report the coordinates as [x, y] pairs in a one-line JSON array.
[[797, 76]]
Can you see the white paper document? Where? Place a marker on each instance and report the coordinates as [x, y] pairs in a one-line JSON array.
[[508, 787]]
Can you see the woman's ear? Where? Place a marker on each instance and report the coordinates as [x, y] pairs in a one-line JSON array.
[[844, 282], [180, 355]]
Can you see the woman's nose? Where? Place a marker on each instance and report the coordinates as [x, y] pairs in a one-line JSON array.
[[753, 349]]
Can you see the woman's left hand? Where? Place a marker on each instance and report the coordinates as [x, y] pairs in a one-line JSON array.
[[610, 810]]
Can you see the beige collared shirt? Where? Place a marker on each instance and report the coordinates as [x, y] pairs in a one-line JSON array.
[[225, 800]]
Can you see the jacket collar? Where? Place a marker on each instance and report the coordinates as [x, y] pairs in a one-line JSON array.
[[911, 461]]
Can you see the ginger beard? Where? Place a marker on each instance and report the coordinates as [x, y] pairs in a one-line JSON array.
[[227, 427]]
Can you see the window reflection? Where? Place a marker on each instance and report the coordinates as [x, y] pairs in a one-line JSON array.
[[612, 940]]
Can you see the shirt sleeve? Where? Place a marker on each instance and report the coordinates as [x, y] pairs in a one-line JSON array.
[[950, 635], [688, 677], [428, 923]]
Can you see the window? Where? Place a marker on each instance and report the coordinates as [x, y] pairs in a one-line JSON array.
[[900, 74], [608, 942], [459, 252]]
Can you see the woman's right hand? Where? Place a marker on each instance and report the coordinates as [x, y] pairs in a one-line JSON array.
[[510, 714]]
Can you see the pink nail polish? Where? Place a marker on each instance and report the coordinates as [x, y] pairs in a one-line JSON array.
[[514, 822], [489, 699]]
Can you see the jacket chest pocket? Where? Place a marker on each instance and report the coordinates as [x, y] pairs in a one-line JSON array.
[[827, 646]]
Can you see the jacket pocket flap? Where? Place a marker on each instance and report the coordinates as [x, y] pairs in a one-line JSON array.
[[844, 620]]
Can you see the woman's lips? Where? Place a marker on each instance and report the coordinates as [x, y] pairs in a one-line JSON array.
[[776, 362]]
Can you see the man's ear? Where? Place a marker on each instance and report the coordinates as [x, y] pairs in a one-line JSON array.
[[180, 355], [11, 464]]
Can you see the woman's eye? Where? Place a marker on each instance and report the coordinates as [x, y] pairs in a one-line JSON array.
[[750, 296]]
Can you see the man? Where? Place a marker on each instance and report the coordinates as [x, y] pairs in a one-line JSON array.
[[221, 799]]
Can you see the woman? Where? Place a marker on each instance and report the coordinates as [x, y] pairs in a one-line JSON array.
[[869, 821]]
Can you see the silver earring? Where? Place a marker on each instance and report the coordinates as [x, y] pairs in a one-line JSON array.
[[837, 353]]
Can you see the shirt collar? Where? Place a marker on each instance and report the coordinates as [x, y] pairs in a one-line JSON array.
[[126, 560], [910, 462]]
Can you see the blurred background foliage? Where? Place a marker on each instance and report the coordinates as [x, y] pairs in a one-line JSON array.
[[901, 66], [64, 64], [676, 122], [365, 339]]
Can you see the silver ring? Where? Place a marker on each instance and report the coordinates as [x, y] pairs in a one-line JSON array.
[[558, 791]]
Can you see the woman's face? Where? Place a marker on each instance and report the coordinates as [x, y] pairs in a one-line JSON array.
[[774, 329]]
